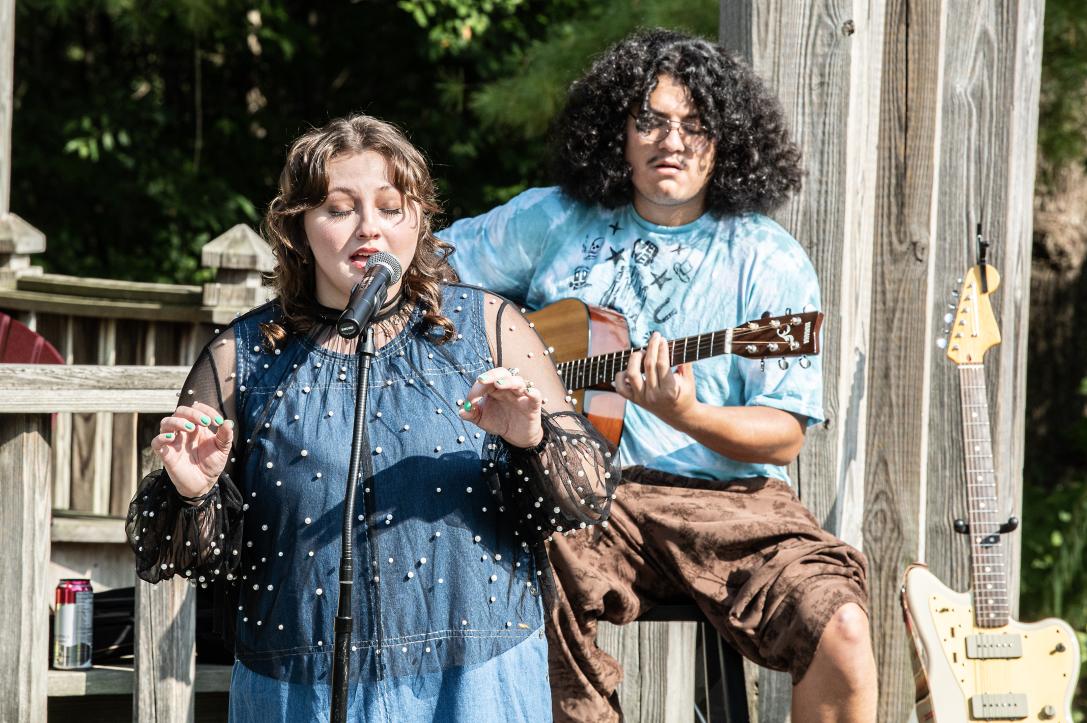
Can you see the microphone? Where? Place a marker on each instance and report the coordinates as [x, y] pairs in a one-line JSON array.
[[382, 270]]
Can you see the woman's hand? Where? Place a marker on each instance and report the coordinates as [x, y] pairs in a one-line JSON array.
[[194, 445], [503, 403]]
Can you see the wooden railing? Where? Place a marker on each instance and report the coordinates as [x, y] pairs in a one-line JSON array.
[[75, 440], [163, 676]]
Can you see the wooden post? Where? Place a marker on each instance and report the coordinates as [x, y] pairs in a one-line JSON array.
[[824, 61], [18, 239], [658, 669], [7, 104], [916, 121], [165, 660], [24, 537], [241, 258]]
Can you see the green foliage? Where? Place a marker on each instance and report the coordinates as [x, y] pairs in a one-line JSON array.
[[1062, 127], [525, 101]]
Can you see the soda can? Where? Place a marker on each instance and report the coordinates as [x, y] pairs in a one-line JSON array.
[[72, 624]]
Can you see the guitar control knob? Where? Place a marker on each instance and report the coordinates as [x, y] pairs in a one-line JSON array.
[[1048, 713], [1060, 648]]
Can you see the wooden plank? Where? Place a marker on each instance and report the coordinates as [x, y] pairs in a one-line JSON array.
[[130, 400], [1009, 403], [84, 352], [658, 669], [824, 61], [86, 388], [87, 528], [109, 309], [103, 427], [990, 101], [116, 289], [108, 565], [165, 643], [7, 107], [24, 537], [57, 330], [125, 463], [117, 680], [899, 378]]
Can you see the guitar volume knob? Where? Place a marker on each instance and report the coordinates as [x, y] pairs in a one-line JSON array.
[[1048, 713]]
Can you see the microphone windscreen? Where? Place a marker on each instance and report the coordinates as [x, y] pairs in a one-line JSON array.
[[384, 258]]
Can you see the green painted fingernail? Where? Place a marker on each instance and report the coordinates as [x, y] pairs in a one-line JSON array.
[[467, 406], [205, 420], [484, 378], [190, 426], [169, 435], [498, 382], [218, 420]]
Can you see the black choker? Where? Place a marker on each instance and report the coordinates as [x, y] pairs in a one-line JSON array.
[[329, 316]]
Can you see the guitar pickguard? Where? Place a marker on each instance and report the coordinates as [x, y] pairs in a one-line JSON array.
[[968, 674]]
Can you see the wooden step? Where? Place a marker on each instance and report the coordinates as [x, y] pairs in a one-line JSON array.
[[67, 526], [118, 680]]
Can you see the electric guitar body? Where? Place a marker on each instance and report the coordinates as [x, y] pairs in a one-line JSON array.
[[963, 674], [972, 661], [590, 345]]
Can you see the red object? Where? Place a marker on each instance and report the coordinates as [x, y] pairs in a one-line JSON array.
[[20, 345]]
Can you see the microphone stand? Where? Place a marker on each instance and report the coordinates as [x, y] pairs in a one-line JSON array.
[[341, 660]]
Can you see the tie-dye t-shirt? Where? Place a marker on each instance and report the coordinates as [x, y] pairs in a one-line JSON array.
[[708, 275]]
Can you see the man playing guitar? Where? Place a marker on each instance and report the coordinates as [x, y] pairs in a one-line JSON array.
[[667, 154]]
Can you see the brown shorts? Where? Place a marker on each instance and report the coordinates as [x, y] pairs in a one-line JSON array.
[[747, 552]]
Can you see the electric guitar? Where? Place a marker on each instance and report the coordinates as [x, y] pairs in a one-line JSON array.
[[590, 345], [972, 661]]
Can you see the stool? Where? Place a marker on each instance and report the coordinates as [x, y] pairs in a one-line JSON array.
[[722, 666]]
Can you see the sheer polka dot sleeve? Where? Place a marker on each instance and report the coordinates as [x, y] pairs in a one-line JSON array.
[[568, 480], [196, 538]]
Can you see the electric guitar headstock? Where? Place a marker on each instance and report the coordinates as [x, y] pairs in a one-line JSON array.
[[974, 329]]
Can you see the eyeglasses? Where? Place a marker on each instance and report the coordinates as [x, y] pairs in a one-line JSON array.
[[654, 128]]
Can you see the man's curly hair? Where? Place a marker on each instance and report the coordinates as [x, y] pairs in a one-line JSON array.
[[757, 166]]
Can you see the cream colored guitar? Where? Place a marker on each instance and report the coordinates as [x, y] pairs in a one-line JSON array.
[[972, 661]]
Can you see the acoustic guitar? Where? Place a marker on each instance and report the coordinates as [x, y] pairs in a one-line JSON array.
[[972, 661], [590, 345]]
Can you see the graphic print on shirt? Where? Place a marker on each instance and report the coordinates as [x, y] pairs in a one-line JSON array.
[[591, 249]]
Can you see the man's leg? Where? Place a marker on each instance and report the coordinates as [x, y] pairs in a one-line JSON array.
[[840, 683]]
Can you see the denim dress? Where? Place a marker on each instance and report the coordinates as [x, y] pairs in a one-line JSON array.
[[448, 614], [442, 581]]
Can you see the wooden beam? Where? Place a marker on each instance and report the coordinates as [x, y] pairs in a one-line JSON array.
[[116, 289], [89, 388], [165, 645], [824, 61], [7, 105], [24, 537], [86, 528], [117, 680]]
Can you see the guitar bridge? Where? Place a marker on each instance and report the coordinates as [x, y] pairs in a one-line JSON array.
[[990, 647], [998, 706]]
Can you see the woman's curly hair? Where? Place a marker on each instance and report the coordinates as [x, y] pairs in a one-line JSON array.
[[757, 166], [303, 185]]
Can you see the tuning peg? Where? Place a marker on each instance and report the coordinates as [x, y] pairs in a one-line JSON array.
[[783, 363], [948, 318], [941, 343]]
